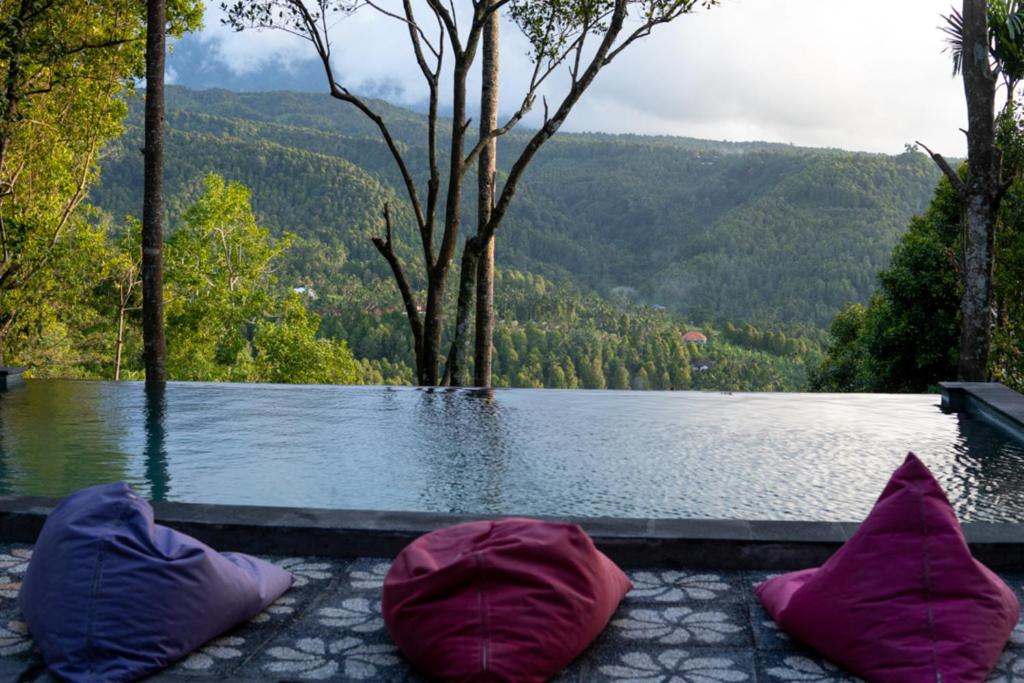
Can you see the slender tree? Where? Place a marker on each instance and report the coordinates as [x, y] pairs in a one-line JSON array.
[[486, 175], [154, 344], [562, 35]]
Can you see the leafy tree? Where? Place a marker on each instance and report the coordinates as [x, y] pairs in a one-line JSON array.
[[287, 350], [228, 317], [63, 66]]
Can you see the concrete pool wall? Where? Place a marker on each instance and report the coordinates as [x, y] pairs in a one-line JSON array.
[[695, 543]]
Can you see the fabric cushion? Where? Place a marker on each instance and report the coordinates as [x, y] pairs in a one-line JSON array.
[[508, 600], [111, 596], [903, 600]]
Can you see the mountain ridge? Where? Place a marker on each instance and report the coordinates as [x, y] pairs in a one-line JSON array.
[[767, 232]]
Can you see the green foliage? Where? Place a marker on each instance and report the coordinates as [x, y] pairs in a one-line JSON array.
[[754, 231], [228, 317], [553, 26], [64, 68], [907, 339], [1006, 358], [1006, 30], [558, 337], [288, 350]]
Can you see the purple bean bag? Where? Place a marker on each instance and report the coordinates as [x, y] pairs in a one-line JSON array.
[[110, 596], [903, 601]]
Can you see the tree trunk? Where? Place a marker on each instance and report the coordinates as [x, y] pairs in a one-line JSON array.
[[155, 349], [120, 335], [982, 194], [485, 195], [433, 322], [455, 373]]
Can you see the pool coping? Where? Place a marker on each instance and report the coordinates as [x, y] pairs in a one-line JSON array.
[[993, 402], [692, 543]]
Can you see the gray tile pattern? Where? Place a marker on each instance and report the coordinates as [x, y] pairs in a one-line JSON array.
[[676, 626]]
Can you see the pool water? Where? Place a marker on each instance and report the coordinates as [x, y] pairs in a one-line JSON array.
[[516, 451]]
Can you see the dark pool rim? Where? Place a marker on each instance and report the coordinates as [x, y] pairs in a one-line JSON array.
[[691, 543]]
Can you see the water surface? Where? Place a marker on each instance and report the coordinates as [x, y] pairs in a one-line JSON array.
[[516, 451]]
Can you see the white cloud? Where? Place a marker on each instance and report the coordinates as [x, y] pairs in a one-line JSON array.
[[867, 75]]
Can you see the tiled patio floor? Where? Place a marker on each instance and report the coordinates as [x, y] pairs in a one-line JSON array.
[[674, 627]]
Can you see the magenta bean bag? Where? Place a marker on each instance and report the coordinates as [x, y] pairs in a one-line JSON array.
[[903, 600], [110, 596], [509, 600]]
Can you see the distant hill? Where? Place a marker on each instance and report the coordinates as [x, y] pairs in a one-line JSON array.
[[716, 230]]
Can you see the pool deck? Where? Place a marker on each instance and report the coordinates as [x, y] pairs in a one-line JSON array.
[[692, 617], [684, 626]]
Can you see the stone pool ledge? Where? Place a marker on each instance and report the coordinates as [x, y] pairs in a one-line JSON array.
[[347, 534], [994, 403]]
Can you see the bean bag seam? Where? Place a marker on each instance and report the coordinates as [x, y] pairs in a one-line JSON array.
[[485, 631], [97, 582], [926, 561]]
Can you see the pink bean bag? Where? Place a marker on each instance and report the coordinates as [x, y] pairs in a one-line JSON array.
[[509, 600], [903, 600]]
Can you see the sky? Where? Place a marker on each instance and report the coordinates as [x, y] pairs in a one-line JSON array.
[[867, 75]]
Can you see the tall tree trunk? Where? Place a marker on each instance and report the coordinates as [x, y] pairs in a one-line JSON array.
[[155, 347], [433, 322], [982, 193], [485, 194]]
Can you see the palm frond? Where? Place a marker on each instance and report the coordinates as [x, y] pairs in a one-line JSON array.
[[954, 30]]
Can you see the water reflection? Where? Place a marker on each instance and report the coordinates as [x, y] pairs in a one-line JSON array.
[[986, 481], [157, 476], [54, 442], [469, 466]]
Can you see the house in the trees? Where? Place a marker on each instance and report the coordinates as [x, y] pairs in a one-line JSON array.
[[694, 337]]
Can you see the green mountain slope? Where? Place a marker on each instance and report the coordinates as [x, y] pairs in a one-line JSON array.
[[742, 231]]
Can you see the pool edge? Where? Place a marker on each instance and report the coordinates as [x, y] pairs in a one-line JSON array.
[[693, 543], [995, 403]]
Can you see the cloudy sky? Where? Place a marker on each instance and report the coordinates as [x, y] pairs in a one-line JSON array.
[[865, 75]]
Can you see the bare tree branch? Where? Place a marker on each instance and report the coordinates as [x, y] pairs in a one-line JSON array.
[[940, 161], [386, 248]]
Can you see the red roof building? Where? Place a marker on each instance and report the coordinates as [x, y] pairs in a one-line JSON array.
[[694, 337]]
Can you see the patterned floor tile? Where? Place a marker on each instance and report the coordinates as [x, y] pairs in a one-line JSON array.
[[367, 574], [767, 635], [676, 626], [14, 561], [224, 655], [1010, 668], [676, 585], [802, 668], [340, 638], [717, 624], [675, 665]]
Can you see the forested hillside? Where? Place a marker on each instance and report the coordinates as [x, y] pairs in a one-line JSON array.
[[726, 231]]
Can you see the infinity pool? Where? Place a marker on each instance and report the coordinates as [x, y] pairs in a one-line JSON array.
[[541, 452]]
